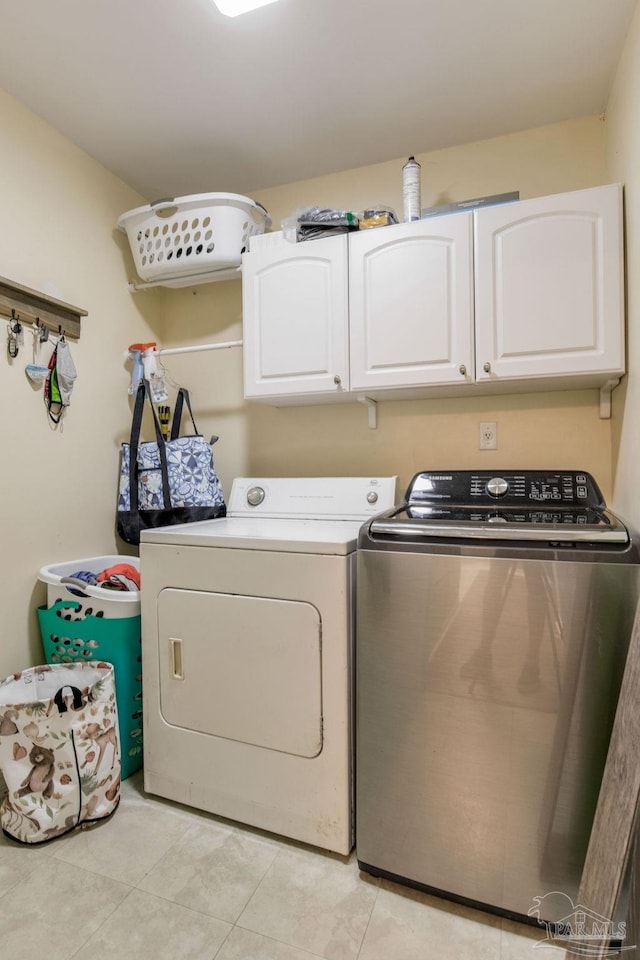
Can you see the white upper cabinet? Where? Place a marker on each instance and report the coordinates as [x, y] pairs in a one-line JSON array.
[[295, 327], [411, 304], [519, 296], [549, 286]]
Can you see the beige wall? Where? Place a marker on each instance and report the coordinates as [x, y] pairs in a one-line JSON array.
[[58, 209], [623, 164], [536, 430], [546, 160]]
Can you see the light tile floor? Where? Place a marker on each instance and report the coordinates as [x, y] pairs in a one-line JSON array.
[[160, 881]]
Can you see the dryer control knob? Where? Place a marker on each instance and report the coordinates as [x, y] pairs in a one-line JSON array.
[[372, 497], [255, 496], [497, 487]]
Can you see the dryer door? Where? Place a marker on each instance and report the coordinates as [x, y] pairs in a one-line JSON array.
[[246, 669]]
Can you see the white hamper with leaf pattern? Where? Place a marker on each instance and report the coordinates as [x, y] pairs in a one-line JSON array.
[[59, 749]]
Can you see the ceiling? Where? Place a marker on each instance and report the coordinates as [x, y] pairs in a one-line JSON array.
[[176, 98]]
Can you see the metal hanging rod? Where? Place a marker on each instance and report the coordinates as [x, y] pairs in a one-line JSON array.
[[168, 351], [372, 407]]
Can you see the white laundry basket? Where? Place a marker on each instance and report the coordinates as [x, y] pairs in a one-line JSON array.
[[179, 239], [96, 601]]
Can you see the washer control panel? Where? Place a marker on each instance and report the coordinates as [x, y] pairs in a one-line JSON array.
[[566, 488], [497, 487]]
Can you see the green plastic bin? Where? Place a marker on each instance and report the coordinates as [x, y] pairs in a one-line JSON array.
[[117, 641]]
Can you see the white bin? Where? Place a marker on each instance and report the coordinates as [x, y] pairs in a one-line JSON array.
[[94, 601], [175, 241]]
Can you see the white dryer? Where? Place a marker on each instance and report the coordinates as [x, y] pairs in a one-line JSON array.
[[247, 642]]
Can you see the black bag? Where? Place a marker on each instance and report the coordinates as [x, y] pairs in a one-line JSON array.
[[164, 482]]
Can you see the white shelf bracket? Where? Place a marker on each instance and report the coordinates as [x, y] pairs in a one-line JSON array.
[[372, 411], [229, 273], [605, 398]]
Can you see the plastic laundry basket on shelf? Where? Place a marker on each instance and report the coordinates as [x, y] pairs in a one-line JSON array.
[[81, 622], [177, 240]]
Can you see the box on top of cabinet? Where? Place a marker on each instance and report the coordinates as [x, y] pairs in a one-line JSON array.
[[458, 205]]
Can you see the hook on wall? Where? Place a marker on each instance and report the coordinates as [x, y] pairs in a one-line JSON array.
[[15, 336], [29, 306], [42, 331]]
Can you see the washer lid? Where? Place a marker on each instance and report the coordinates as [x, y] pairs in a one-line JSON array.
[[567, 529], [337, 537]]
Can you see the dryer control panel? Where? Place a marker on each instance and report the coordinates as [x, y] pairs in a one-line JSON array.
[[311, 498]]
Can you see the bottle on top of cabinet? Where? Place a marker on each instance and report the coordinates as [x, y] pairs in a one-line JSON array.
[[411, 190]]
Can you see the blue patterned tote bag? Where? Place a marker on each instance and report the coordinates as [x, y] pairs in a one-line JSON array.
[[164, 482]]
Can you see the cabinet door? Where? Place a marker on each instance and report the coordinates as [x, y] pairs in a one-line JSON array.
[[410, 300], [549, 281], [295, 317]]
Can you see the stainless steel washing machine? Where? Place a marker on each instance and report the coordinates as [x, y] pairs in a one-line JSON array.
[[494, 613]]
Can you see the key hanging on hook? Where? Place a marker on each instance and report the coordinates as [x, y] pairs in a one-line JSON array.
[[17, 328], [12, 343], [43, 331]]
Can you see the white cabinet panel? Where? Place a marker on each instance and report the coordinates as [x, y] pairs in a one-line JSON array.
[[525, 295], [410, 304], [549, 286], [295, 318]]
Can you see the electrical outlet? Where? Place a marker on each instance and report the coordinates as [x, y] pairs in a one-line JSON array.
[[488, 435]]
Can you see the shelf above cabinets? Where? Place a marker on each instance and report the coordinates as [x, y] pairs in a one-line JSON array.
[[514, 298]]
